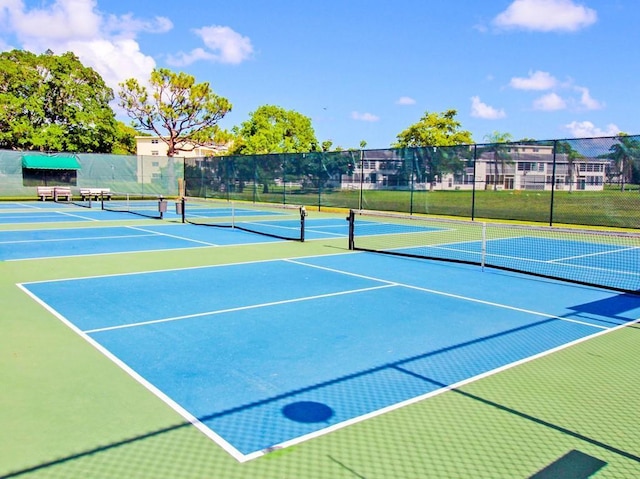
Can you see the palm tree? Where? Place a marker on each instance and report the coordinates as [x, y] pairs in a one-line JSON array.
[[623, 153], [565, 148], [497, 140]]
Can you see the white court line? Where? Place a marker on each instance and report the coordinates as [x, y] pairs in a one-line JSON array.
[[29, 215], [90, 238], [229, 448], [521, 259], [143, 251], [239, 308], [599, 253], [416, 399], [18, 205], [77, 216], [449, 295], [137, 228], [207, 431]]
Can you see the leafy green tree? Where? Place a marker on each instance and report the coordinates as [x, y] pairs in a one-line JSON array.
[[125, 142], [182, 113], [272, 129], [326, 145], [432, 131], [54, 103]]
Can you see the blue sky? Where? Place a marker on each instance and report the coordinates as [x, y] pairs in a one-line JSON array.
[[368, 69]]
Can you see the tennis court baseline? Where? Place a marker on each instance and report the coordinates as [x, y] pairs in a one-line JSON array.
[[47, 243], [263, 355]]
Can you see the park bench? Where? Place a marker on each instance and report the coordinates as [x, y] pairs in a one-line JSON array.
[[95, 193], [61, 192], [45, 192]]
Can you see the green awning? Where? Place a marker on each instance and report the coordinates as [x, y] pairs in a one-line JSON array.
[[53, 162]]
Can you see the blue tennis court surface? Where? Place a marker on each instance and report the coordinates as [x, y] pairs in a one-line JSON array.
[[44, 243], [28, 244], [616, 266], [263, 355]]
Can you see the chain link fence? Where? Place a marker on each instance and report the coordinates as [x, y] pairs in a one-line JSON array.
[[593, 181], [586, 181], [119, 173]]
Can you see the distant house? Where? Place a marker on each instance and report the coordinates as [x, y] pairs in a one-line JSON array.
[[506, 167], [155, 146], [152, 155]]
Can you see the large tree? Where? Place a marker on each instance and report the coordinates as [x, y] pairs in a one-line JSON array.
[[125, 143], [272, 129], [625, 153], [182, 113], [53, 103], [496, 147], [432, 131]]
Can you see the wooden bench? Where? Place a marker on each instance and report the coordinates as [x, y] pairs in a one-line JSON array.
[[45, 192], [60, 192], [95, 193]]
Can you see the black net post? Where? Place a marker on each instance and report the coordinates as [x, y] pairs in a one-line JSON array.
[[303, 215], [351, 220]]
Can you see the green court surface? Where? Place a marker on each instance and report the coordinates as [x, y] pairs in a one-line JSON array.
[[67, 411]]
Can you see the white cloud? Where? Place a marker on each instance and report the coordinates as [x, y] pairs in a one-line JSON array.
[[482, 110], [129, 26], [586, 129], [223, 45], [115, 60], [60, 22], [364, 116], [540, 80], [537, 80], [586, 101], [182, 59], [546, 16], [550, 102], [106, 43], [405, 100], [228, 45]]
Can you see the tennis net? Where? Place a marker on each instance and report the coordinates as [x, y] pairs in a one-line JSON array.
[[65, 195], [277, 221], [150, 206], [595, 258]]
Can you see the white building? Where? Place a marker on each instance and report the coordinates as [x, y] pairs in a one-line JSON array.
[[507, 167], [152, 155], [155, 146]]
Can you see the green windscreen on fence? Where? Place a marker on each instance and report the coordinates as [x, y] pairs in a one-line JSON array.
[[21, 173], [594, 181], [585, 181]]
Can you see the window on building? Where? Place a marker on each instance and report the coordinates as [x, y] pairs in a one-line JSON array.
[[530, 166]]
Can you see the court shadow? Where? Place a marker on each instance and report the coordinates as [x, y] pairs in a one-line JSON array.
[[613, 307]]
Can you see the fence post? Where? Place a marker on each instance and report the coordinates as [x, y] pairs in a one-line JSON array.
[[412, 173], [473, 190], [553, 182], [361, 178]]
